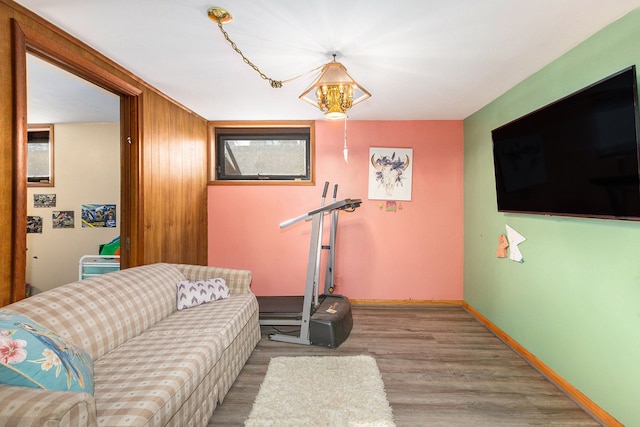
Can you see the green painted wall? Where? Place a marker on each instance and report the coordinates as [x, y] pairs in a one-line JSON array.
[[575, 301]]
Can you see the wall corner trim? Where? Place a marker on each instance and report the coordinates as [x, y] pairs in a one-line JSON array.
[[582, 400]]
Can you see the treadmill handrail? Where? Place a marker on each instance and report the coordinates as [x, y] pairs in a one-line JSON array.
[[292, 221], [342, 204]]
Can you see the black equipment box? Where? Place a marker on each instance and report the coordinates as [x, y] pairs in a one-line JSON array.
[[331, 323]]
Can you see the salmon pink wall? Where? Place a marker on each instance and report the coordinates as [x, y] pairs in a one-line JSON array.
[[413, 253]]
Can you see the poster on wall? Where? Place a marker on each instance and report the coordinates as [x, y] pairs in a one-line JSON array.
[[390, 173], [34, 224], [98, 215], [63, 219], [44, 200]]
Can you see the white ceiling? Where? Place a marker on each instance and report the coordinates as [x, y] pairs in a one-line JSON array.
[[56, 96], [420, 59]]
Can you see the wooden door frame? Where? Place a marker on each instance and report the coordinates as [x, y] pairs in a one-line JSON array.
[[26, 39]]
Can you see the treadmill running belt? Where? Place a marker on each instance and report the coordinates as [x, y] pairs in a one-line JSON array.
[[280, 307]]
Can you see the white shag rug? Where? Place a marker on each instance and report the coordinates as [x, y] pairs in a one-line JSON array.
[[321, 391]]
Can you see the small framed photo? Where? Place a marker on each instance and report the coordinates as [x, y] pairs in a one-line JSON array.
[[34, 224], [63, 219], [44, 200], [98, 215]]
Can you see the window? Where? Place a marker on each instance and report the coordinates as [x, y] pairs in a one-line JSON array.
[[262, 153], [40, 156]]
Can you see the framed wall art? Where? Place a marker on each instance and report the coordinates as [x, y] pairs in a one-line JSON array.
[[390, 173]]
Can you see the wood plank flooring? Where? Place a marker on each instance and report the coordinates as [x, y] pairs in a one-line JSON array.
[[440, 366]]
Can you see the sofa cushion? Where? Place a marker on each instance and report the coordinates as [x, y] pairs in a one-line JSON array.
[[191, 294], [171, 359], [226, 318], [145, 380], [34, 356], [102, 312], [238, 281]]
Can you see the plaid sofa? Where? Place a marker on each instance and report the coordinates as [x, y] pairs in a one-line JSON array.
[[153, 365]]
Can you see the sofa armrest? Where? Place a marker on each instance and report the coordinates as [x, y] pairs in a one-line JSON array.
[[238, 281], [33, 407]]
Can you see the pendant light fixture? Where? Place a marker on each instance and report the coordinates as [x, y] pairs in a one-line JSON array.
[[334, 92]]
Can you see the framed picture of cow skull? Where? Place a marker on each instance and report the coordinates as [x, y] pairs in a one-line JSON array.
[[390, 173]]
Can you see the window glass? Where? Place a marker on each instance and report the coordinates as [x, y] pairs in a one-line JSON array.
[[263, 154], [40, 156]]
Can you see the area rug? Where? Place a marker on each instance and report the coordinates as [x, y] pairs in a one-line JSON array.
[[321, 391]]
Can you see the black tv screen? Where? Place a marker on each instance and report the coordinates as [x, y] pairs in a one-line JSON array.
[[575, 157]]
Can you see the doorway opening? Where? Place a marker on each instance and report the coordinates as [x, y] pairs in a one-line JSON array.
[[75, 170], [28, 41]]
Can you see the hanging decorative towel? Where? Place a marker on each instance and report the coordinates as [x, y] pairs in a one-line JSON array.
[[515, 239], [503, 244]]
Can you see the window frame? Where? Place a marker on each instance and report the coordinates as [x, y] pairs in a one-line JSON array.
[[48, 128], [259, 130]]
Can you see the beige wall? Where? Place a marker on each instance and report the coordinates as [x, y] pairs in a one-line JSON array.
[[87, 170]]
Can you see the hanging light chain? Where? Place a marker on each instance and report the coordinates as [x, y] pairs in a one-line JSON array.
[[334, 99], [274, 83]]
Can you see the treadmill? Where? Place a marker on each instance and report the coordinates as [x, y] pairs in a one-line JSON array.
[[323, 319]]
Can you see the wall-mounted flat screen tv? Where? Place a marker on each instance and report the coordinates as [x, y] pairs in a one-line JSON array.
[[575, 157]]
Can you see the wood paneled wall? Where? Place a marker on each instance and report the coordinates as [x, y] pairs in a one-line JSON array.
[[175, 163], [167, 188]]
